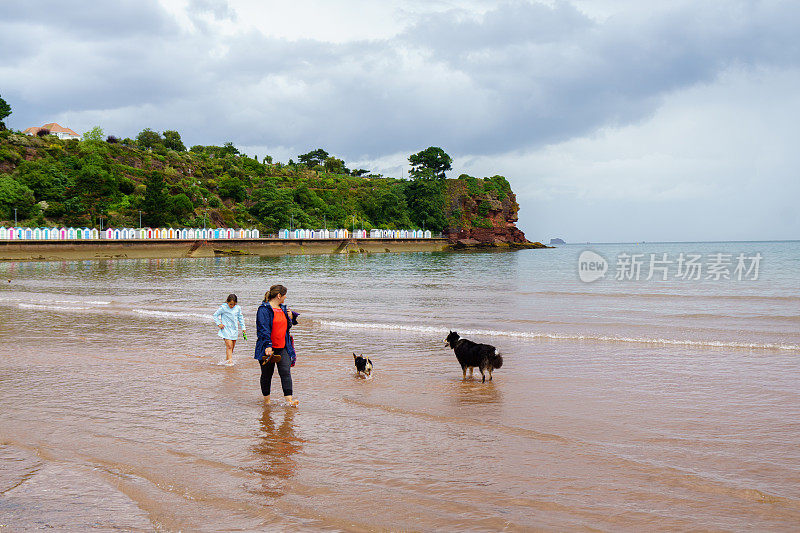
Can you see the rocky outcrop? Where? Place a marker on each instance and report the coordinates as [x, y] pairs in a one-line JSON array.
[[483, 213]]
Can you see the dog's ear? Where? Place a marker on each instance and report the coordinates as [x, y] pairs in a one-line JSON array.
[[354, 355]]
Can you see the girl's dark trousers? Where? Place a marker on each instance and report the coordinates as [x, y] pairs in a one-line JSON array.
[[284, 371]]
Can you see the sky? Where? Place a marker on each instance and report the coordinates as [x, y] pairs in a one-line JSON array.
[[614, 120]]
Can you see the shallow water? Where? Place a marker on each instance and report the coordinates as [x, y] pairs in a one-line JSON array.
[[621, 405]]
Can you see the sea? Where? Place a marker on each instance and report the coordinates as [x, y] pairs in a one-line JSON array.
[[645, 387]]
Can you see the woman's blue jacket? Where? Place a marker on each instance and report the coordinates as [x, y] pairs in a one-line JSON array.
[[264, 318]]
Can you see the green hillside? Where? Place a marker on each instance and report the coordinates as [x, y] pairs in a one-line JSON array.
[[77, 183]]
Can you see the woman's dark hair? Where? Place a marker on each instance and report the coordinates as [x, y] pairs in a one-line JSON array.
[[232, 298], [274, 291]]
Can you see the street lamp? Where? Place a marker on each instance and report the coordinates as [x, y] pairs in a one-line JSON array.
[[15, 216], [140, 219]]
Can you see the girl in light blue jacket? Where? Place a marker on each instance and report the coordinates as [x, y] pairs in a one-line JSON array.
[[228, 318]]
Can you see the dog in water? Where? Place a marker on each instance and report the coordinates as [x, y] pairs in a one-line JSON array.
[[363, 365], [471, 354]]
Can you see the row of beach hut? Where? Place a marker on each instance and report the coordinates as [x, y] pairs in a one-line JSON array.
[[61, 234], [356, 234]]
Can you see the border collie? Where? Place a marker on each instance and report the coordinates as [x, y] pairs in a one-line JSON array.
[[471, 354], [363, 365]]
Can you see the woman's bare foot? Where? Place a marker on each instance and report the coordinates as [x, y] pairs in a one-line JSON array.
[[290, 401]]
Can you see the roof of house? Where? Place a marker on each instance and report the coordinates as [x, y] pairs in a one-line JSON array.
[[56, 128], [52, 128]]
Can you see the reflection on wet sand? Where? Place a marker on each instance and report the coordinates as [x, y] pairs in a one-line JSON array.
[[275, 448], [473, 392]]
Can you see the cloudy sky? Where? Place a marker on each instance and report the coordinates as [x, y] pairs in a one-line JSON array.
[[614, 120]]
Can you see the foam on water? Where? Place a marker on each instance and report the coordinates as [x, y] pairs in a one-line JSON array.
[[173, 314], [48, 301], [338, 324], [52, 307]]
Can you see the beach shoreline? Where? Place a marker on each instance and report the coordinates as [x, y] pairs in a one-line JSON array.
[[76, 250], [173, 248]]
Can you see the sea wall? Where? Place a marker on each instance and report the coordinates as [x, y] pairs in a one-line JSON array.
[[135, 249]]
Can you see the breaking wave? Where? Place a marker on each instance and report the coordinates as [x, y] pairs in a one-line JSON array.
[[338, 324]]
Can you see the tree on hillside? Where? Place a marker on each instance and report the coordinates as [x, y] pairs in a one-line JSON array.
[[13, 194], [313, 158], [229, 149], [95, 187], [430, 163], [426, 199], [335, 165], [148, 138], [156, 201], [172, 140], [5, 110], [94, 134]]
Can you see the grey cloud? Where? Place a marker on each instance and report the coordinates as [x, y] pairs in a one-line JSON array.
[[520, 76], [219, 9], [86, 19]]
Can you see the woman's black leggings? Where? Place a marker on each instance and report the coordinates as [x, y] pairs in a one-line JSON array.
[[284, 371]]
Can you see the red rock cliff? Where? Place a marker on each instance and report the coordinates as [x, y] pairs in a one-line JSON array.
[[482, 212]]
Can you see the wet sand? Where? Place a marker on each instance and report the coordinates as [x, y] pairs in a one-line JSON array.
[[114, 415]]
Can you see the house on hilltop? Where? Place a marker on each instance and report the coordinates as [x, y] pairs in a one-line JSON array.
[[55, 129]]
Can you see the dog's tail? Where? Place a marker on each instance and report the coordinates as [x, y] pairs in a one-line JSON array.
[[496, 359]]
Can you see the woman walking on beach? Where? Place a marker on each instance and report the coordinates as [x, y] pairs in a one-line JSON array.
[[228, 318], [274, 347]]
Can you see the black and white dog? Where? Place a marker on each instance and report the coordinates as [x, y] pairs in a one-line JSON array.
[[363, 365], [471, 354]]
